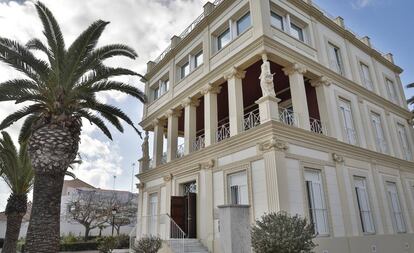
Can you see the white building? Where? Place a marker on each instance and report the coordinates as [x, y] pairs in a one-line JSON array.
[[329, 136]]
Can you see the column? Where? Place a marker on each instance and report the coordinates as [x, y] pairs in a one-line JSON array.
[[158, 142], [235, 91], [298, 93], [210, 113], [172, 134], [190, 119], [206, 228], [322, 87]]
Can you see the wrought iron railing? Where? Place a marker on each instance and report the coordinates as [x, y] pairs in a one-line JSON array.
[[164, 158], [162, 226], [180, 151], [288, 117], [223, 132], [199, 142], [317, 126], [251, 119]]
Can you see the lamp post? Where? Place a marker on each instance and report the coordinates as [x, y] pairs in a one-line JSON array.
[[113, 219]]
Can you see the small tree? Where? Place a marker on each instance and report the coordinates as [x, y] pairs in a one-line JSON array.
[[126, 211], [107, 244], [282, 233], [151, 244]]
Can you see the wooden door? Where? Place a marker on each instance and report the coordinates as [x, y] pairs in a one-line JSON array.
[[191, 215], [178, 210]]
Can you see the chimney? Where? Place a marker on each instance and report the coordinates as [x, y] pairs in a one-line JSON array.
[[367, 41], [175, 40], [150, 65], [340, 21], [389, 57], [208, 8]]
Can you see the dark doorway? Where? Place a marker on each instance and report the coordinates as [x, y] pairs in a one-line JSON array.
[[184, 211]]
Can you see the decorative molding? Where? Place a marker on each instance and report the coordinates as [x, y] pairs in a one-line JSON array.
[[168, 178], [207, 165], [410, 121], [173, 113], [140, 186], [337, 158], [210, 89], [320, 81], [157, 122], [234, 73], [273, 143], [190, 102], [295, 68]]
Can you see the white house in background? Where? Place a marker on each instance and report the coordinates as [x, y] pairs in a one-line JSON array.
[[329, 136], [70, 188]]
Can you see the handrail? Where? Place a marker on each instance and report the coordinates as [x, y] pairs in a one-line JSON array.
[[223, 132], [251, 119]]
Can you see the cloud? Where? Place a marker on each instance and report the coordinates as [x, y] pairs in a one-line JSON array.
[[360, 4]]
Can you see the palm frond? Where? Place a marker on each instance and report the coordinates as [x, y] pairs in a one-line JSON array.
[[95, 120], [27, 128], [10, 119], [70, 174], [36, 44], [114, 85], [103, 73]]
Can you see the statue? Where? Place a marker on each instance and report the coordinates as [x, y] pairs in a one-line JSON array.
[[266, 78], [145, 147]]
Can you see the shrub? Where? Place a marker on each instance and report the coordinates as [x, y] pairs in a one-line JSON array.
[[149, 244], [281, 233], [122, 242], [78, 246], [70, 238], [107, 244]]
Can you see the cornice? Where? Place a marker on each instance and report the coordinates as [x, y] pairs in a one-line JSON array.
[[273, 130]]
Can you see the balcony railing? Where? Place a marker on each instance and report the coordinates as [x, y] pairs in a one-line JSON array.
[[288, 117], [199, 143], [318, 127], [180, 151], [251, 119], [223, 132]]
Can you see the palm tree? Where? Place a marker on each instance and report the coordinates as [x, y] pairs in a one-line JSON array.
[[410, 101], [16, 170], [61, 90]]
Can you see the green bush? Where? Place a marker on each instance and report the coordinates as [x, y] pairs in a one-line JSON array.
[[70, 238], [78, 246], [122, 241], [281, 233], [107, 244], [149, 244]]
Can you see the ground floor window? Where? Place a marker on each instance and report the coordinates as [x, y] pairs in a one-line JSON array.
[[395, 206], [364, 207], [237, 188]]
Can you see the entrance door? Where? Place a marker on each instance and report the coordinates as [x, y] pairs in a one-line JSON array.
[[152, 214], [178, 208], [184, 211]]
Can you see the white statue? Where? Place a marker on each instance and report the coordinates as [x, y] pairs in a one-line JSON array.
[[266, 78], [145, 147]]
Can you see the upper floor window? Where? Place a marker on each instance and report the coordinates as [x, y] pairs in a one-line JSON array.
[[243, 23], [318, 212], [185, 70], [364, 207], [297, 32], [395, 206], [335, 58], [161, 89], [348, 122], [198, 59], [392, 93], [379, 132], [405, 147], [223, 39], [277, 20], [366, 77], [237, 188]]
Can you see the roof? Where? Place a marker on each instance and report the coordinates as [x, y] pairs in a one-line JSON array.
[[77, 183]]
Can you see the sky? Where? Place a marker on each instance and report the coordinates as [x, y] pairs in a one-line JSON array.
[[147, 26]]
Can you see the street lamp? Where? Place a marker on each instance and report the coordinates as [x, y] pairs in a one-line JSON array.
[[113, 219]]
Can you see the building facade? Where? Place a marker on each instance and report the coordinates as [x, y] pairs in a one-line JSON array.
[[277, 105]]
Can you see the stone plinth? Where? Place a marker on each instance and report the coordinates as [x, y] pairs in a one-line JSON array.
[[235, 228], [268, 108]]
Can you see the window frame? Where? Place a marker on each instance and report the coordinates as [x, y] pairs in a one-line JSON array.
[[368, 203], [246, 16], [243, 173], [196, 57], [299, 29], [183, 71], [370, 84], [339, 68], [407, 153], [343, 118], [394, 212], [282, 20], [220, 45], [378, 141], [391, 84]]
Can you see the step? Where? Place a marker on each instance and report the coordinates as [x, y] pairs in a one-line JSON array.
[[190, 246]]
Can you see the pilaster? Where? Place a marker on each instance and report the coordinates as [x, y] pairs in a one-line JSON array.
[[260, 17], [172, 134], [158, 125], [210, 113], [206, 228], [298, 92], [235, 91], [190, 119]]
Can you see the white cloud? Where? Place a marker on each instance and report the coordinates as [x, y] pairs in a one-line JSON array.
[[359, 4], [147, 26]]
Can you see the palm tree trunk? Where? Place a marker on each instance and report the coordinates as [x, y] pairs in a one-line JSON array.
[[14, 222], [51, 148], [15, 210], [43, 234]]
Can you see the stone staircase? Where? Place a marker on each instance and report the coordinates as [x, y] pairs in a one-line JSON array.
[[190, 246]]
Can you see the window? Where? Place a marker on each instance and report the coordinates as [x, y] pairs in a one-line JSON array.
[[392, 93], [237, 188], [335, 59], [152, 213], [379, 133], [405, 147], [296, 32], [156, 93], [223, 39], [185, 70], [318, 212], [243, 23], [365, 212], [346, 115], [366, 77], [276, 20], [396, 211], [161, 89], [198, 59]]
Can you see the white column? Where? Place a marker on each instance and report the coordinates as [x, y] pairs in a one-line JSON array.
[[172, 134], [298, 93], [235, 91], [206, 228], [190, 119], [322, 87], [158, 141], [210, 113]]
